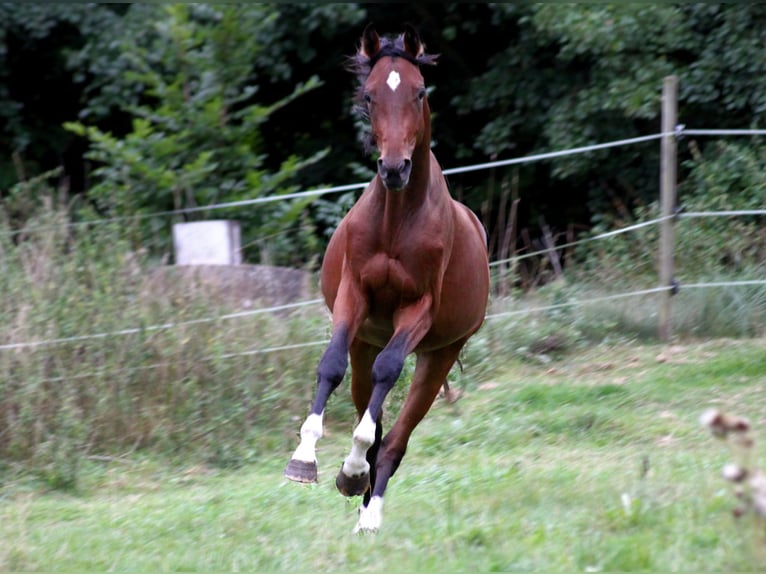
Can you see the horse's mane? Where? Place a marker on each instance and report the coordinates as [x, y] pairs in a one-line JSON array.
[[361, 65]]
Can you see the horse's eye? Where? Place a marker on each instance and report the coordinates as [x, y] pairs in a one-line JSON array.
[[421, 93], [367, 98]]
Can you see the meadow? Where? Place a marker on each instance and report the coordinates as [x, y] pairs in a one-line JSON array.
[[592, 459], [147, 428]]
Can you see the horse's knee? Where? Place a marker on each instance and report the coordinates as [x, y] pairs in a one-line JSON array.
[[332, 366], [387, 368]]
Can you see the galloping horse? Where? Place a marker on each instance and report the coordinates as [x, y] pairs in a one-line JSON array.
[[405, 271]]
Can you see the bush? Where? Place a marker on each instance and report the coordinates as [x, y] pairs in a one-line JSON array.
[[195, 136], [729, 177]]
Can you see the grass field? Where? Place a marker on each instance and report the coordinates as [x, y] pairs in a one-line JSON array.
[[594, 460]]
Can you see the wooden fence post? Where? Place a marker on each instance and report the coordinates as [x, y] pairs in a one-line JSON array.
[[668, 182]]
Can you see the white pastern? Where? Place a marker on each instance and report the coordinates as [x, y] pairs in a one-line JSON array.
[[370, 516], [393, 80], [311, 432], [364, 435]]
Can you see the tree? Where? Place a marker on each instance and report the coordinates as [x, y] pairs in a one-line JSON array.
[[38, 89], [195, 129], [512, 79], [579, 74]]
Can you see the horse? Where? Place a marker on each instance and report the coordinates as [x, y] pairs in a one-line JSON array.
[[406, 271]]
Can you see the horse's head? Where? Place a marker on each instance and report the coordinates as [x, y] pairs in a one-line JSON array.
[[393, 96]]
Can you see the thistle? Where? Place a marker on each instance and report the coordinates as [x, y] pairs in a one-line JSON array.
[[749, 482]]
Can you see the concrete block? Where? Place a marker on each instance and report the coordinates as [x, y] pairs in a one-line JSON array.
[[214, 242]]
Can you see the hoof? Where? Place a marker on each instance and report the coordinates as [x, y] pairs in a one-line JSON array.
[[301, 471], [352, 485]]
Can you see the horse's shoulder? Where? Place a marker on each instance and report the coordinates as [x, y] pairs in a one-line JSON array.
[[468, 219]]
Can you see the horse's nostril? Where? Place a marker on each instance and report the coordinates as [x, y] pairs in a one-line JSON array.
[[406, 168], [395, 173]]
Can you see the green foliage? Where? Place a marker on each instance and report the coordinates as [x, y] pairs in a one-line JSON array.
[[36, 43], [727, 177], [513, 79], [195, 140], [574, 75]]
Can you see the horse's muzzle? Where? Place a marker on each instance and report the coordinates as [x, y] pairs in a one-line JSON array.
[[395, 174]]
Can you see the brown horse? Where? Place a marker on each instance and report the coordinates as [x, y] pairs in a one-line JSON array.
[[405, 271]]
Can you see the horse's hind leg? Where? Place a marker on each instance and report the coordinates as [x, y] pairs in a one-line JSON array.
[[431, 371]]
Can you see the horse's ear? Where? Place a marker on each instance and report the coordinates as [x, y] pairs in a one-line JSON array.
[[370, 44], [412, 43]]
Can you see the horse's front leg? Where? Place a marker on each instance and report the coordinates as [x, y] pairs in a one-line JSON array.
[[332, 368], [410, 325], [354, 476], [360, 464], [348, 313]]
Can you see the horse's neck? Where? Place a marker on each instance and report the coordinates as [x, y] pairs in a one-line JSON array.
[[425, 188], [407, 202], [419, 207]]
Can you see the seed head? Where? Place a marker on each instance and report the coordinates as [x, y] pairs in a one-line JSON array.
[[734, 473]]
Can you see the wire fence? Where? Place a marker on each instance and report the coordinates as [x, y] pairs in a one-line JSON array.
[[679, 132], [338, 188], [159, 327]]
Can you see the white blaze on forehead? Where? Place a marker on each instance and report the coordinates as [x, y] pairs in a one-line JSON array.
[[393, 80]]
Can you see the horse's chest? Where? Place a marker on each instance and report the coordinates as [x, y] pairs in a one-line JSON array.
[[387, 277]]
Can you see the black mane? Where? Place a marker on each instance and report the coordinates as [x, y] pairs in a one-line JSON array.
[[361, 65]]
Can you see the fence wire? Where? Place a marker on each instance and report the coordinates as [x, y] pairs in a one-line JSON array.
[[580, 241], [243, 314], [679, 132], [323, 342], [337, 188], [732, 213], [488, 317], [159, 327]]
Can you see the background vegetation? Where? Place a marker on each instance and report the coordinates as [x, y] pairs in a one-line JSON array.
[[149, 108], [110, 382]]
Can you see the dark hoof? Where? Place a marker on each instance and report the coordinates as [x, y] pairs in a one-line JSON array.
[[352, 485], [301, 471]]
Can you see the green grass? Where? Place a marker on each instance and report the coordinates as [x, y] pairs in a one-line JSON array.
[[593, 461]]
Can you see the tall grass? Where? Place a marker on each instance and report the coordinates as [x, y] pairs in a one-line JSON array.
[[173, 390], [197, 389]]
